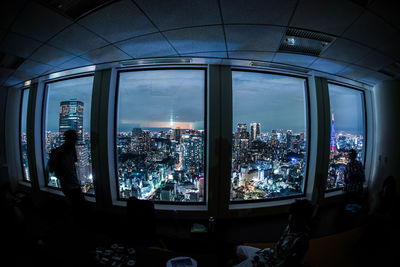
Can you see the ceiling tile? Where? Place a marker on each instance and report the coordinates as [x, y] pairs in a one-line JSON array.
[[375, 61], [346, 51], [9, 10], [370, 30], [258, 38], [105, 54], [375, 78], [387, 10], [76, 62], [51, 55], [77, 40], [216, 54], [327, 65], [39, 22], [294, 59], [391, 47], [33, 67], [153, 45], [19, 45], [12, 80], [181, 13], [257, 11], [328, 16], [197, 39], [118, 21], [354, 72], [251, 55]]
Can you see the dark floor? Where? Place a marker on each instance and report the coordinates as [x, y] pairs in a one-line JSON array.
[[50, 235]]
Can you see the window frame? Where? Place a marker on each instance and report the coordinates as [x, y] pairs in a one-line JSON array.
[[24, 178], [364, 110], [43, 124], [308, 134], [206, 132]]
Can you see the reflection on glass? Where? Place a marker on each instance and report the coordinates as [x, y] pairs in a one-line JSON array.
[[347, 131], [160, 135], [68, 108], [269, 140], [24, 112]]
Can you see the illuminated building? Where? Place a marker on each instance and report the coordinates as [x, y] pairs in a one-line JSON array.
[[255, 131], [333, 136], [71, 118]]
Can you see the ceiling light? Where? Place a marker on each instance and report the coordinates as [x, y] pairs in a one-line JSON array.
[[305, 42], [290, 40]]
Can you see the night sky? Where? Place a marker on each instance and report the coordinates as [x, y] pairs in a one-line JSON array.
[[165, 98]]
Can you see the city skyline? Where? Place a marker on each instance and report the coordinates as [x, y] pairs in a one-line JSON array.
[[179, 108]]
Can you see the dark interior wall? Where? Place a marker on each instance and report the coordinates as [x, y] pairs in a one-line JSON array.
[[3, 163], [3, 100], [387, 140]]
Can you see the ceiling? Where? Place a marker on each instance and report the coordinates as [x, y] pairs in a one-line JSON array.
[[42, 37]]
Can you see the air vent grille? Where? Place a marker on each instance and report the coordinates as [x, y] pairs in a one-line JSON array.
[[305, 42]]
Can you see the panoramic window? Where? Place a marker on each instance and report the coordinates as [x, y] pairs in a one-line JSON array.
[[24, 154], [160, 135], [269, 136], [347, 131], [68, 106]]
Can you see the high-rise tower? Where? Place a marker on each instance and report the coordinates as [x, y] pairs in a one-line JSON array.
[[333, 137], [71, 117], [255, 131]]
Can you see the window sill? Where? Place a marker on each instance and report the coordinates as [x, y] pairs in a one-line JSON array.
[[262, 204]]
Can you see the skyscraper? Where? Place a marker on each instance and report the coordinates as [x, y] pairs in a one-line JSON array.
[[333, 137], [255, 131], [71, 117]]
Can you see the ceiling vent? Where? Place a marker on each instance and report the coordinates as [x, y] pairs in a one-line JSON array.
[[75, 9], [10, 61], [305, 42]]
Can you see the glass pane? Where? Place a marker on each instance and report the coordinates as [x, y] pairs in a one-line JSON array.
[[160, 135], [347, 131], [269, 139], [24, 112], [68, 107]]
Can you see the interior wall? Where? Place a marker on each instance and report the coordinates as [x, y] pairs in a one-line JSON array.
[[3, 162], [3, 100], [387, 140]]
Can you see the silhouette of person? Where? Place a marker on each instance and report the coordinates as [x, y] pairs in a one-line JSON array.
[[65, 170], [354, 178], [354, 174], [291, 246]]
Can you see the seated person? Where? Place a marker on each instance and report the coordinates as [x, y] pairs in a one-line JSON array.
[[292, 245]]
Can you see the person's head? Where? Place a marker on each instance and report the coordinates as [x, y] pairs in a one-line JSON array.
[[70, 137], [352, 154], [300, 214]]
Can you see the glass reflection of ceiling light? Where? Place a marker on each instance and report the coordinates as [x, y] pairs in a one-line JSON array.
[[73, 71], [151, 61]]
